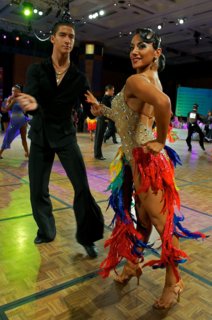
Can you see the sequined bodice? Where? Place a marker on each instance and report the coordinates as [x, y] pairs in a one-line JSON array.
[[132, 131]]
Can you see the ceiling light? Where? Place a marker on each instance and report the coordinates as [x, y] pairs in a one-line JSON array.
[[27, 9], [160, 26], [181, 20], [96, 14]]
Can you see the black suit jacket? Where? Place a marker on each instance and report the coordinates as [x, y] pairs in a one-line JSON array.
[[106, 100], [52, 121]]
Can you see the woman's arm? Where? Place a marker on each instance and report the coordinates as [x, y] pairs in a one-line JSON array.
[[9, 103], [98, 109], [146, 92]]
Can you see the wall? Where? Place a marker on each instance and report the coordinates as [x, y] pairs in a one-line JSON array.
[[115, 70]]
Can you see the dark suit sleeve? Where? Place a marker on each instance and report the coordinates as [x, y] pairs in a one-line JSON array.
[[86, 106], [32, 84], [106, 100]]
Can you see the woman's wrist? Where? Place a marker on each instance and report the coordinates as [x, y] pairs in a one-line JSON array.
[[95, 104], [99, 106]]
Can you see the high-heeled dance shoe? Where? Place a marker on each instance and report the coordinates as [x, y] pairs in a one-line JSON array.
[[130, 270], [170, 296]]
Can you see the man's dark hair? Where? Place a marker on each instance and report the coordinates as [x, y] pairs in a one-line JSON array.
[[195, 106], [61, 23], [149, 36], [108, 87]]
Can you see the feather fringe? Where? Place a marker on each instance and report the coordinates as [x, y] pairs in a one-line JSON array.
[[157, 173]]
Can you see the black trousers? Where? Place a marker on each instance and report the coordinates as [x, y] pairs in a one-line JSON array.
[[99, 136], [111, 131], [195, 128], [89, 218]]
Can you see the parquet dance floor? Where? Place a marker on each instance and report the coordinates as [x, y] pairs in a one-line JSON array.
[[57, 281]]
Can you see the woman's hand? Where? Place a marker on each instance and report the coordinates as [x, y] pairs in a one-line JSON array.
[[90, 98], [9, 103], [27, 102], [153, 147], [96, 109]]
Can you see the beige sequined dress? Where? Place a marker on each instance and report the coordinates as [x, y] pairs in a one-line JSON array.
[[132, 131]]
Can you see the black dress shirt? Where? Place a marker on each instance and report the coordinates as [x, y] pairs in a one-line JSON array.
[[52, 120]]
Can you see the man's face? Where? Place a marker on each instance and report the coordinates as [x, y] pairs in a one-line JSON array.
[[110, 92], [63, 39]]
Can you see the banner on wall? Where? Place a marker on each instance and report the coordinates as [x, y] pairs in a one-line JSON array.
[[187, 97]]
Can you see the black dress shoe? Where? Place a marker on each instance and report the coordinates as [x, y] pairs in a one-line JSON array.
[[189, 149], [100, 158], [115, 142], [91, 250], [39, 240]]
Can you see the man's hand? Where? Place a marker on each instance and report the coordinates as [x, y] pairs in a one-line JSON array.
[[27, 102]]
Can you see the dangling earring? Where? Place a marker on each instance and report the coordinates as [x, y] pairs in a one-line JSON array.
[[154, 63]]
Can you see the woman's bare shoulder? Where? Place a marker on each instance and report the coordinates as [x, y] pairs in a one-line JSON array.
[[138, 78]]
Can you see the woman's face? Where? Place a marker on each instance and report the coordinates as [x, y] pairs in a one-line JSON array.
[[142, 54], [15, 91]]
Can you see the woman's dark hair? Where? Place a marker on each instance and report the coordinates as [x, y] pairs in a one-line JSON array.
[[61, 23], [149, 36], [18, 86], [161, 62]]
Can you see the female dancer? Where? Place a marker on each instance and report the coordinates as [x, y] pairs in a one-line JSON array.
[[146, 160], [91, 124], [17, 124]]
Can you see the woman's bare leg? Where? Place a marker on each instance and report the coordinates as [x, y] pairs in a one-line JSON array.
[[152, 205]]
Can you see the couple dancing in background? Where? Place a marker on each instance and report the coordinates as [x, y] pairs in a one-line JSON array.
[[144, 168], [17, 124]]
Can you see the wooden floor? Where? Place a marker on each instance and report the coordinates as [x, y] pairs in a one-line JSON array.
[[57, 281]]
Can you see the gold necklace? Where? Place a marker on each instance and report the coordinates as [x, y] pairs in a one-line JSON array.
[[59, 74]]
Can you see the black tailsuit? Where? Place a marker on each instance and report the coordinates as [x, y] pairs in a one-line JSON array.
[[194, 127], [111, 128], [52, 132]]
